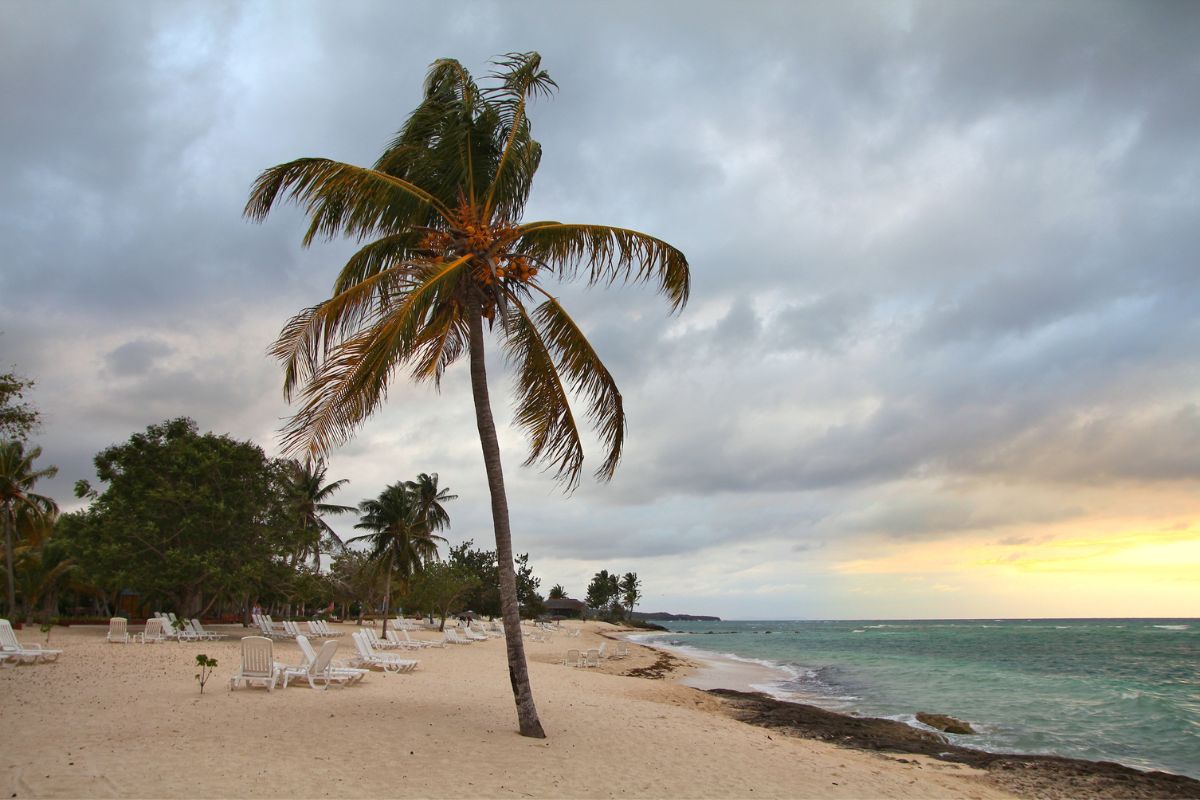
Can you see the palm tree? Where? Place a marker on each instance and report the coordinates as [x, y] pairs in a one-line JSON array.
[[557, 592], [304, 482], [429, 501], [448, 251], [401, 539], [631, 590], [19, 506]]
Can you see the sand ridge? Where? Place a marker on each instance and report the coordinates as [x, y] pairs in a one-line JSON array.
[[128, 721]]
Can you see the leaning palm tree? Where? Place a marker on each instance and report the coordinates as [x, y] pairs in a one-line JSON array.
[[447, 252], [429, 499], [304, 482], [401, 540], [19, 505]]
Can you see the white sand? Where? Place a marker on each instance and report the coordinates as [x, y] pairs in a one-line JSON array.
[[128, 721]]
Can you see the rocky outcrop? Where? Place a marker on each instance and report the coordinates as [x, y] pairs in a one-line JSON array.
[[944, 723]]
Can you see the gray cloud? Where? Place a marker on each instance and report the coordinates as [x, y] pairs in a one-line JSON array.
[[932, 245]]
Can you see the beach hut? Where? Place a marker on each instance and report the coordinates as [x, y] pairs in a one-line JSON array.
[[566, 608]]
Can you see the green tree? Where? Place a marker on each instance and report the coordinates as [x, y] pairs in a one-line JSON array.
[[532, 604], [631, 590], [20, 506], [557, 592], [484, 598], [401, 537], [602, 591], [309, 496], [184, 517], [17, 418], [442, 209], [442, 588]]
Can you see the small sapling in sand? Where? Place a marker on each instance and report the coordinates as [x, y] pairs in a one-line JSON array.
[[46, 627], [206, 666]]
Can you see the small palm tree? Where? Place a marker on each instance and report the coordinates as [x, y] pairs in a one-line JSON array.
[[19, 505], [557, 592], [304, 482], [401, 540], [448, 252]]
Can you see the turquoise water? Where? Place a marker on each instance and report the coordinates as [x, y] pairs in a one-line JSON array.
[[1124, 690]]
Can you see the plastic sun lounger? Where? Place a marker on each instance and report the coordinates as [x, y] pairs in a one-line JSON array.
[[118, 631], [352, 674], [258, 664], [387, 661], [29, 654], [154, 632]]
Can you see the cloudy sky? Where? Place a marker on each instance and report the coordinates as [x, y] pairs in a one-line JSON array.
[[942, 357]]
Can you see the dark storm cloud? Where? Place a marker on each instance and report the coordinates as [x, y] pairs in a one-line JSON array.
[[931, 243]]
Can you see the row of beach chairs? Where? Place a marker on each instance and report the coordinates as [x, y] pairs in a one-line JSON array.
[[13, 652], [260, 668], [593, 657], [160, 628], [291, 630]]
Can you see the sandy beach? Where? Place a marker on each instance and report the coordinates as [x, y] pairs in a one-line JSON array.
[[128, 721]]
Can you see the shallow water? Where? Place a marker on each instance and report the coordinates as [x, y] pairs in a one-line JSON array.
[[1120, 690]]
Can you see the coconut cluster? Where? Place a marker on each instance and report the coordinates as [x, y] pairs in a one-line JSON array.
[[488, 243]]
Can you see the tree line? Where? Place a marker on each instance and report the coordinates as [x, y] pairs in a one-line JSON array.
[[207, 525]]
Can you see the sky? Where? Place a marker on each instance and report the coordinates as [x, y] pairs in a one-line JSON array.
[[942, 353]]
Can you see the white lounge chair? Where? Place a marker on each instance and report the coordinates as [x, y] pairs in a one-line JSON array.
[[258, 664], [324, 629], [318, 670], [572, 659], [118, 631], [367, 657], [450, 637], [421, 642], [380, 644], [199, 629], [25, 653], [154, 632], [591, 658], [467, 633], [393, 637], [352, 674]]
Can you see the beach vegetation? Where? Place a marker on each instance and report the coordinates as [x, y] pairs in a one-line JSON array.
[[309, 495], [440, 589], [484, 597], [532, 604], [631, 591], [206, 666], [402, 521], [447, 253], [21, 508], [18, 417], [557, 592]]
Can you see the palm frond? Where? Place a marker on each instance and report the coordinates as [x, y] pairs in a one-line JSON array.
[[520, 77], [588, 377], [543, 409], [343, 199], [608, 254]]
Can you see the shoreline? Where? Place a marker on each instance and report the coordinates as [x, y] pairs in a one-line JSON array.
[[744, 688]]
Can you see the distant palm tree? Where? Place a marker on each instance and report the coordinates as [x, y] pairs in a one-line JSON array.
[[19, 505], [429, 499], [557, 592], [448, 251], [401, 539], [306, 487]]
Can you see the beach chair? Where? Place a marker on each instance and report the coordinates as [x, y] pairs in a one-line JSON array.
[[422, 642], [482, 630], [318, 670], [572, 659], [591, 658], [397, 640], [352, 674], [118, 631], [258, 664], [389, 662], [620, 651], [467, 633], [154, 631], [199, 629], [450, 637], [382, 644], [24, 653], [324, 629]]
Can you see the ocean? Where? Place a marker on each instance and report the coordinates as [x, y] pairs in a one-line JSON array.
[[1124, 690]]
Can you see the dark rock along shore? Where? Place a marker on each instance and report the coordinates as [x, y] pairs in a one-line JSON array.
[[1051, 777]]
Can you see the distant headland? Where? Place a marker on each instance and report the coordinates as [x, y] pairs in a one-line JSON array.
[[663, 615]]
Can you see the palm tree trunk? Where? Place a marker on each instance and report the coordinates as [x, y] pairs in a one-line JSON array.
[[9, 524], [518, 670], [387, 596]]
